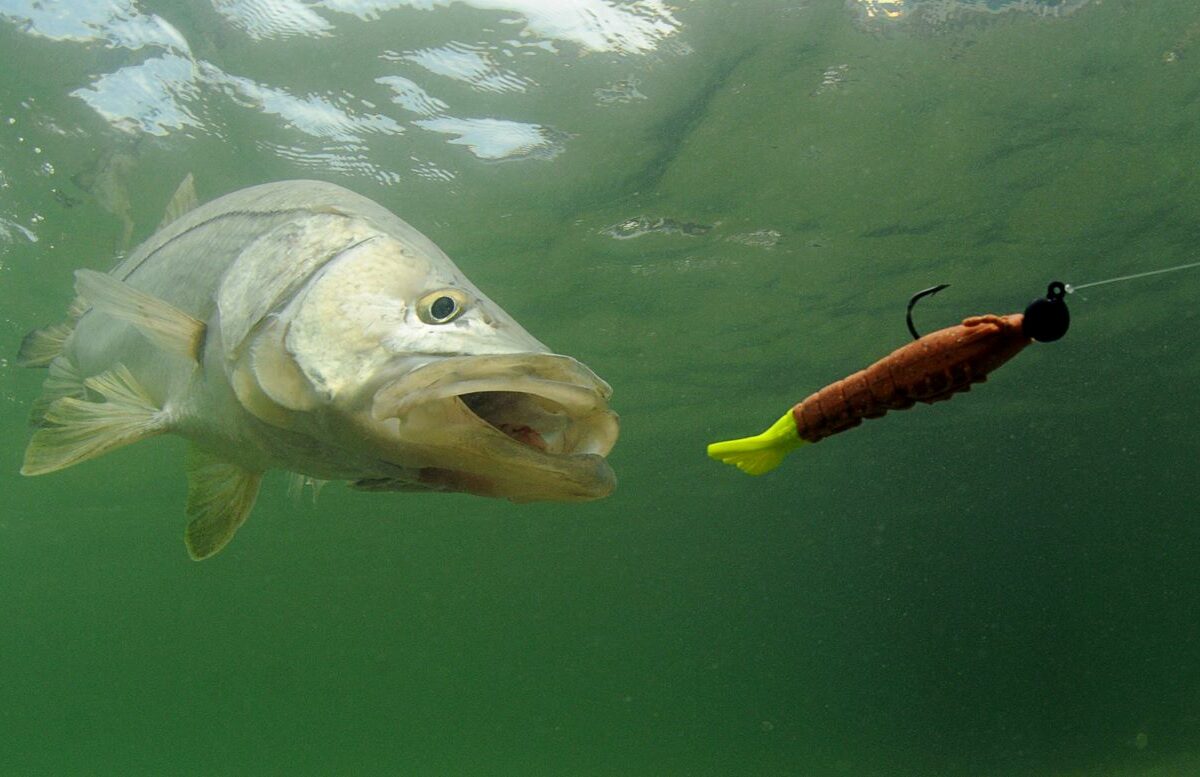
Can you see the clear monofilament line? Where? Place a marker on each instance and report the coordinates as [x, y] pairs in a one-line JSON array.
[[1073, 288]]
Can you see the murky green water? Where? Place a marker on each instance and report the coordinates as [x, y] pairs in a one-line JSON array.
[[719, 208]]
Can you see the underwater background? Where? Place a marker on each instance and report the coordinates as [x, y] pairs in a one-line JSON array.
[[719, 207]]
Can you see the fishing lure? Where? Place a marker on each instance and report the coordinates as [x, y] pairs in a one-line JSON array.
[[931, 369]]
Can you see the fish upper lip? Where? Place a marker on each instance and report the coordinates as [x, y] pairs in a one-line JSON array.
[[553, 376], [558, 379]]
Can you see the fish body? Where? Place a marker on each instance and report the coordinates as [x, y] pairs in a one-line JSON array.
[[299, 326]]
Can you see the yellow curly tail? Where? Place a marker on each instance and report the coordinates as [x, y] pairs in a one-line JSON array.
[[761, 453]]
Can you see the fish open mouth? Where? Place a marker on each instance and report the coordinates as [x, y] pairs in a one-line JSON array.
[[546, 403], [536, 421]]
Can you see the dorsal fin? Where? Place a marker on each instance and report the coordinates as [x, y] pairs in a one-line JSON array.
[[182, 201], [165, 325]]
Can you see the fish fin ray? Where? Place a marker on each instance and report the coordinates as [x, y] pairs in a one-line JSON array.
[[165, 325], [44, 345], [63, 380], [391, 484], [75, 430], [183, 200], [297, 483], [220, 497]]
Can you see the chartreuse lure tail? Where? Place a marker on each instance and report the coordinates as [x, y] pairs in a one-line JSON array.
[[761, 453]]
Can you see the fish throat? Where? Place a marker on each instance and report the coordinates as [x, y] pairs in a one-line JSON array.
[[529, 419]]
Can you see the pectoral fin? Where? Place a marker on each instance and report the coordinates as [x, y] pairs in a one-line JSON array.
[[165, 325], [76, 430], [277, 372], [220, 496], [267, 380]]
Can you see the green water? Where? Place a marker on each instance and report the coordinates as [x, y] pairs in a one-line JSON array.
[[1007, 584]]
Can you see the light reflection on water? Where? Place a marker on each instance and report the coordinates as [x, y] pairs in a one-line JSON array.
[[169, 90], [508, 57]]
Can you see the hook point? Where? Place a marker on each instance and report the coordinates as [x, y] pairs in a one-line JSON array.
[[916, 298]]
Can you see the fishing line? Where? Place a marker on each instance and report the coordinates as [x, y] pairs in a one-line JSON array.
[[1070, 288]]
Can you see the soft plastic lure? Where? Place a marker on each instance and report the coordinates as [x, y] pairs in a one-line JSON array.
[[930, 369]]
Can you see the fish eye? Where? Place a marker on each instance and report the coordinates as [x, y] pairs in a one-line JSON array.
[[441, 307]]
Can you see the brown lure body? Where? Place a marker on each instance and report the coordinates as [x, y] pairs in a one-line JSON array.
[[930, 369]]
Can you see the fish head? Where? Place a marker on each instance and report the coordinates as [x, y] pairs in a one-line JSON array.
[[392, 352]]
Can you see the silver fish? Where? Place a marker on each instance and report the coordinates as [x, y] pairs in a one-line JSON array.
[[299, 326]]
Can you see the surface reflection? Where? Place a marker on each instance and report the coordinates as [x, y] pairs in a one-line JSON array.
[[166, 86]]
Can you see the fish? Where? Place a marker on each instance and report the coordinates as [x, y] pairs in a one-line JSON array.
[[299, 326]]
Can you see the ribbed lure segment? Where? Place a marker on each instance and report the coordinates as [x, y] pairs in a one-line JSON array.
[[928, 370]]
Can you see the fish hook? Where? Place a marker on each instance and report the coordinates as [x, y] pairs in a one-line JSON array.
[[915, 298]]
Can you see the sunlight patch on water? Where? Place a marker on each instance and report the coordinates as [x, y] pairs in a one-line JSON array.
[[430, 171], [473, 65], [346, 159], [150, 97], [117, 23], [171, 92], [594, 25], [262, 19], [411, 97], [943, 15], [10, 229], [498, 139], [320, 116]]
